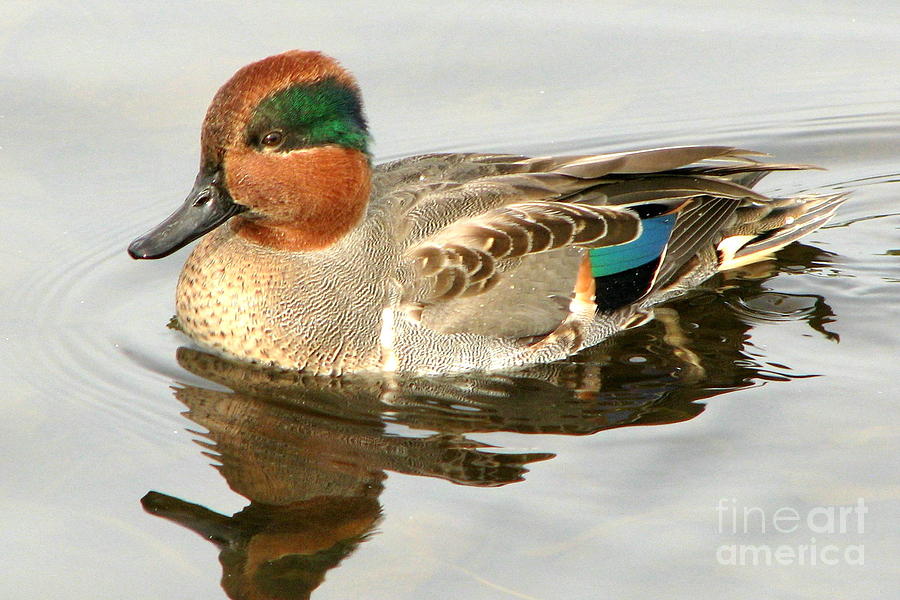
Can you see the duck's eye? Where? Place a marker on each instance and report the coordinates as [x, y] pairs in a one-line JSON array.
[[272, 139]]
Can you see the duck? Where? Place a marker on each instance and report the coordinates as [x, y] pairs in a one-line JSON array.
[[313, 258]]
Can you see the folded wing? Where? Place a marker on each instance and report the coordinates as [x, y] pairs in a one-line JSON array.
[[501, 245]]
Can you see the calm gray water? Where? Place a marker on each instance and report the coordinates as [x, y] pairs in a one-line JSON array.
[[624, 473]]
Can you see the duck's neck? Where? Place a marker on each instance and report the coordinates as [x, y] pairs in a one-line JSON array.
[[312, 199], [288, 238]]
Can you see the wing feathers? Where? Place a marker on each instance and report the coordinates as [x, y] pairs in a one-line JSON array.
[[467, 221], [679, 186], [640, 161], [462, 258]]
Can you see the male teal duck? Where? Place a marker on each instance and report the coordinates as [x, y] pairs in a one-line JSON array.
[[315, 259]]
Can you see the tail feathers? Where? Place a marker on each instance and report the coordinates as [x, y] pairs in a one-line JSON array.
[[788, 225]]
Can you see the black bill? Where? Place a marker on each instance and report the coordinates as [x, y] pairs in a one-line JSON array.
[[206, 207]]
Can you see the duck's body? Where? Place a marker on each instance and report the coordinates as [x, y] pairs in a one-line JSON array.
[[440, 263]]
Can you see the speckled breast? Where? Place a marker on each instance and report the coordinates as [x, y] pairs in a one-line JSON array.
[[298, 310]]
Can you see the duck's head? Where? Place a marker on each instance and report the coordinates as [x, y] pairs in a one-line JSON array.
[[284, 160]]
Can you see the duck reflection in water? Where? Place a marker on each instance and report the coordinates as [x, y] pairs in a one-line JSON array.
[[311, 453]]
